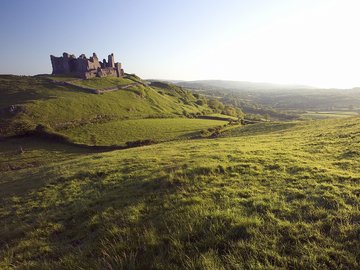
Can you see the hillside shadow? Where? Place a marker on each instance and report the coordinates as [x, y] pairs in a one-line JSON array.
[[21, 89], [36, 154], [128, 191]]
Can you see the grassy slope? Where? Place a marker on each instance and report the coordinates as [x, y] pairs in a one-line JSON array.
[[262, 197], [328, 114], [59, 106], [35, 153], [107, 82], [120, 132]]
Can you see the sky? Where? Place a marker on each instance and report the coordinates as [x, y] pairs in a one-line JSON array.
[[310, 42]]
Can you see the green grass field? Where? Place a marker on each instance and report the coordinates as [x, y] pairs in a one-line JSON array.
[[328, 114], [120, 132], [35, 153], [62, 78], [101, 83], [266, 196]]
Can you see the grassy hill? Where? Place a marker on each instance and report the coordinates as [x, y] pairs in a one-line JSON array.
[[266, 196], [82, 116], [42, 101]]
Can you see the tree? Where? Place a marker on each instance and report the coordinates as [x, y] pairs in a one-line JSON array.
[[200, 102], [216, 105]]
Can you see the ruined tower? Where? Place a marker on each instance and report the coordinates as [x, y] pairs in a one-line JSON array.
[[111, 60]]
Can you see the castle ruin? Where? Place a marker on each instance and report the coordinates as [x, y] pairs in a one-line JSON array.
[[85, 68]]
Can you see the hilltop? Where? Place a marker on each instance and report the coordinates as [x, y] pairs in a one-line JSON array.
[[41, 99], [68, 107], [281, 102]]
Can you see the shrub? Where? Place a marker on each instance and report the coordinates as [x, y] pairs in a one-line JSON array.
[[200, 102], [21, 127]]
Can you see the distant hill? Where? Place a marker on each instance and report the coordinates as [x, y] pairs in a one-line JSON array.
[[250, 96], [239, 85]]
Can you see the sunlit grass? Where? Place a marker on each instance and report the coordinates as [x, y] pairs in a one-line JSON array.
[[283, 196], [120, 132], [328, 114], [101, 83]]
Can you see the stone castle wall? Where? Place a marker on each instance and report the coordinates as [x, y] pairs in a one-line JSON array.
[[85, 68]]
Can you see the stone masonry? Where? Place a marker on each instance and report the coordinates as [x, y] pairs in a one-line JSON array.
[[85, 68]]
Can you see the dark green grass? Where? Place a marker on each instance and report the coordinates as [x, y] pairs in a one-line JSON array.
[[284, 199], [31, 152], [222, 116], [22, 89]]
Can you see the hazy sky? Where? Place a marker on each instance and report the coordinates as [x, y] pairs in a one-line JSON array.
[[314, 42]]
